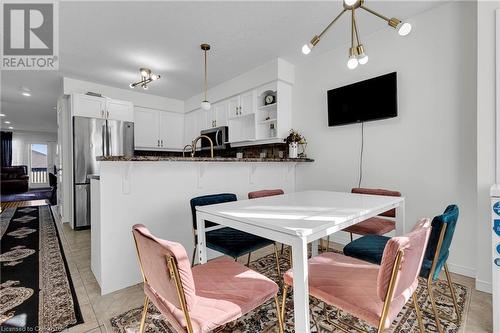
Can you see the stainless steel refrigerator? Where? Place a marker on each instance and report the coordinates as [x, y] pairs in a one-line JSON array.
[[91, 138]]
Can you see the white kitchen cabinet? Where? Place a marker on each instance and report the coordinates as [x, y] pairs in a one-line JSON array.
[[146, 128], [101, 107], [119, 110], [217, 115], [158, 129], [88, 106], [171, 130], [247, 103], [234, 106], [195, 122]]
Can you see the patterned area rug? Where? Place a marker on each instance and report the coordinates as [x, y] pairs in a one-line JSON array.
[[36, 291], [264, 319]]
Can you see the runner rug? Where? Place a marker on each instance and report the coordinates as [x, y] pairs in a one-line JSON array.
[[36, 291], [263, 319]]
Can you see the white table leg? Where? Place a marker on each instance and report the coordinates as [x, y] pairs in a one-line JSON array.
[[300, 286], [314, 248], [400, 219], [202, 245]]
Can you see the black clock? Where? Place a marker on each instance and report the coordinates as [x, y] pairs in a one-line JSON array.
[[270, 99]]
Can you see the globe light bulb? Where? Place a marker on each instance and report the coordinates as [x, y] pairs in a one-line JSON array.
[[350, 2], [306, 49], [205, 105], [362, 58], [352, 62], [404, 28], [144, 72], [155, 77]]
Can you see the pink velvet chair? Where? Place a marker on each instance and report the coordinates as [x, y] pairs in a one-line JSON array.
[[378, 225], [373, 293], [198, 299]]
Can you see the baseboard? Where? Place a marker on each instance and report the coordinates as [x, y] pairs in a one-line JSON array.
[[462, 270], [484, 286]]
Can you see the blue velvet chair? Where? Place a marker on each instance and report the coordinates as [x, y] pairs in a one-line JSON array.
[[231, 242], [371, 247]]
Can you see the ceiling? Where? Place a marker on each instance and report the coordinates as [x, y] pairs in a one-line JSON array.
[[107, 42]]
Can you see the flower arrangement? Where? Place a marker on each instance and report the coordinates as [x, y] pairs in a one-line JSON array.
[[295, 137]]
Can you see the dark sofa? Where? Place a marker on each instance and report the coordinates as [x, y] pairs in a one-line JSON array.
[[14, 179]]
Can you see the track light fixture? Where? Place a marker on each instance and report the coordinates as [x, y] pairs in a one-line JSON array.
[[146, 77], [357, 53]]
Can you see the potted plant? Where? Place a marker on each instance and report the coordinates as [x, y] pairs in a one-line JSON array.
[[293, 140]]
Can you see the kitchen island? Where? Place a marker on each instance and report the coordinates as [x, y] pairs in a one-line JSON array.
[[155, 191]]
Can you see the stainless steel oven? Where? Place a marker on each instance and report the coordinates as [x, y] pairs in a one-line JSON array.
[[218, 135]]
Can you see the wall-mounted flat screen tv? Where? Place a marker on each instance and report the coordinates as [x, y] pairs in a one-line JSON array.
[[372, 99]]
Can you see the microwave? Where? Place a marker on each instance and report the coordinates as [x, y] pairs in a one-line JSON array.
[[219, 137]]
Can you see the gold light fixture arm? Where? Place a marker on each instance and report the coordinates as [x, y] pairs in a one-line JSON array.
[[330, 25], [375, 13], [205, 48], [355, 27]]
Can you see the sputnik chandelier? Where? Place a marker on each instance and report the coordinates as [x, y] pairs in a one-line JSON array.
[[146, 77], [357, 53]]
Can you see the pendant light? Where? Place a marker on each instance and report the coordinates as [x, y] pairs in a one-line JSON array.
[[357, 53], [205, 104]]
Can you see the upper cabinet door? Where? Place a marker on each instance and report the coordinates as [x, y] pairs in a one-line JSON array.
[[171, 130], [146, 128], [119, 110], [234, 107], [247, 103], [88, 106], [221, 114]]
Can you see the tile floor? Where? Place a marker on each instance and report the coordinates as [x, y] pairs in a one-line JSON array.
[[97, 309]]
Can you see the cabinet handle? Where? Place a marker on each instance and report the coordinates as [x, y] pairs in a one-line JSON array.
[[107, 114], [102, 113], [161, 142], [158, 142]]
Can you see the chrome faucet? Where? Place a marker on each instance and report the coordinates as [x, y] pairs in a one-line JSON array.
[[193, 146]]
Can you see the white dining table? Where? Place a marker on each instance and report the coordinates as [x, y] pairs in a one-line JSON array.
[[297, 219]]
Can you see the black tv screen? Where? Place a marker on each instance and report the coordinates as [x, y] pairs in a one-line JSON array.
[[372, 99]]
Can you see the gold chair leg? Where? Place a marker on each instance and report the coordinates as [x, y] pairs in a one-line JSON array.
[[248, 260], [144, 314], [280, 319], [283, 303], [419, 314], [433, 303], [452, 291], [278, 269]]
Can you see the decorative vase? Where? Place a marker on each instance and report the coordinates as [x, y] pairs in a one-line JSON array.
[[293, 148]]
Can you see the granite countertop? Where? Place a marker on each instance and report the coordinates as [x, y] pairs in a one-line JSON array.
[[198, 159]]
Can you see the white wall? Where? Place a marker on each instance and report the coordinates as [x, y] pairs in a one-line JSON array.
[[137, 98], [21, 141], [486, 136], [428, 151]]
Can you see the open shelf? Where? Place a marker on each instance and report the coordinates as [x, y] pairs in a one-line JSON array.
[[268, 106], [268, 121]]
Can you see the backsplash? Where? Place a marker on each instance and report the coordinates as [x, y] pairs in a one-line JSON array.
[[271, 151]]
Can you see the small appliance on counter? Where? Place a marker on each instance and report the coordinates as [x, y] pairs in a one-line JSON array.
[[219, 137], [94, 137]]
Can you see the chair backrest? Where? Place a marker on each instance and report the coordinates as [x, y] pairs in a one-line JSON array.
[[449, 219], [378, 191], [153, 253], [265, 193], [210, 199], [413, 244]]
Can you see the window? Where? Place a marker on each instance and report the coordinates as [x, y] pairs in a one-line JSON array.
[[38, 164]]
